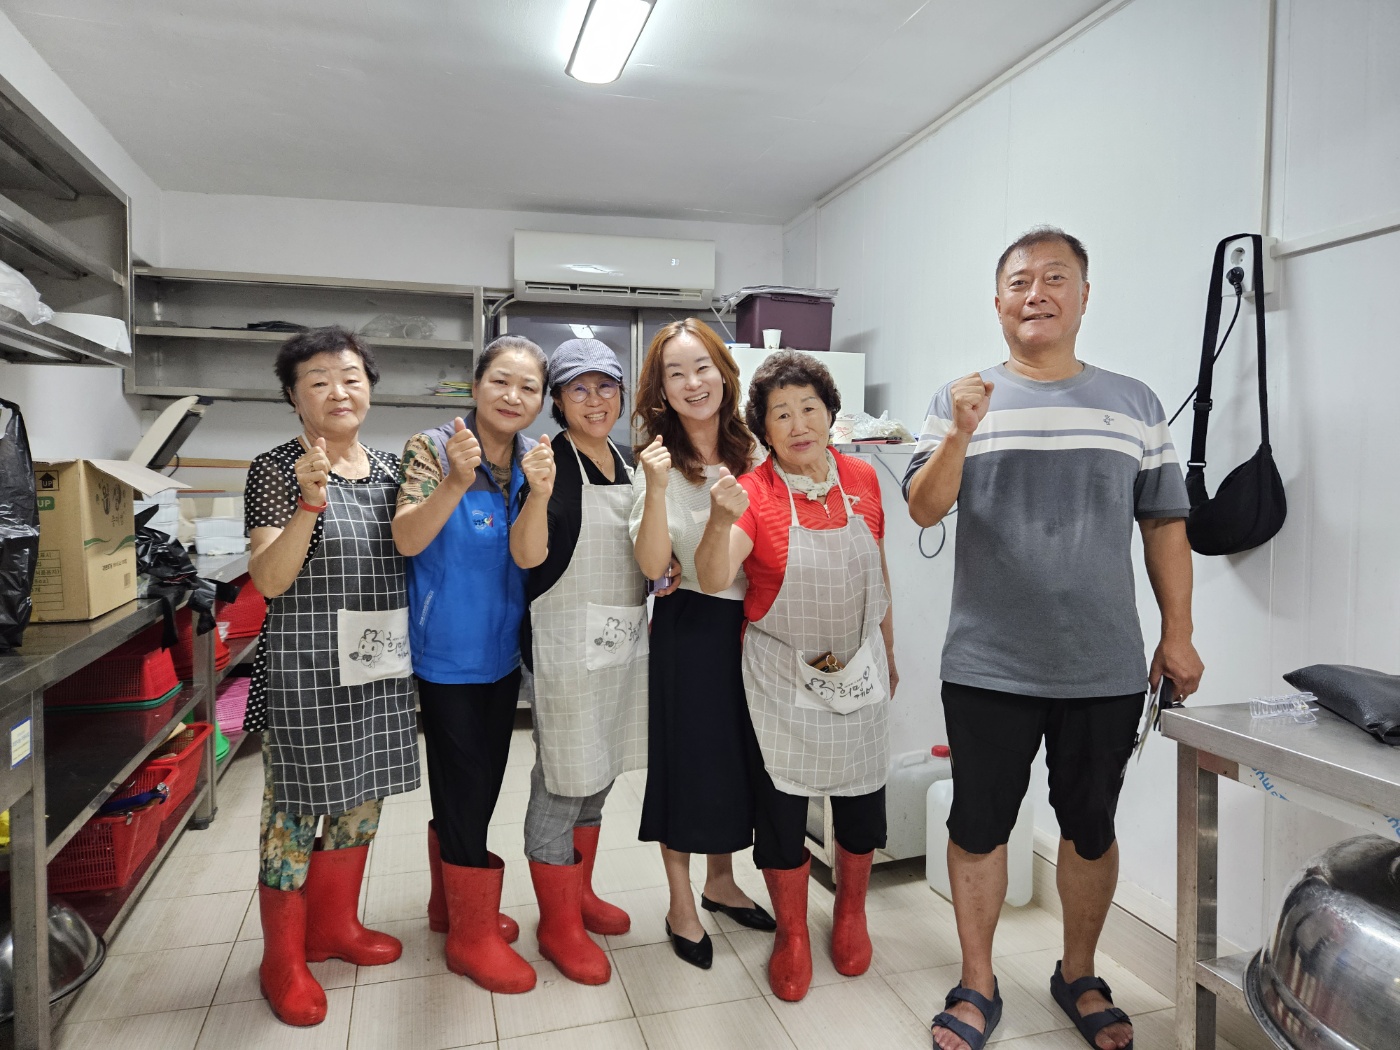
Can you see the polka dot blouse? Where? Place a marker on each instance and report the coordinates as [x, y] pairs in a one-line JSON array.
[[269, 501]]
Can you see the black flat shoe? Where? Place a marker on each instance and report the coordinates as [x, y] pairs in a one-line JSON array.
[[754, 918], [699, 953]]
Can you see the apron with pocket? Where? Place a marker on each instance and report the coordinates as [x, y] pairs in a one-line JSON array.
[[823, 733], [340, 699], [590, 641]]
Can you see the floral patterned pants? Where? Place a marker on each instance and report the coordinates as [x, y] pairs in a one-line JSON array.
[[288, 838]]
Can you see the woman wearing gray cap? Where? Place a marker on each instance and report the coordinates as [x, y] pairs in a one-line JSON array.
[[585, 639]]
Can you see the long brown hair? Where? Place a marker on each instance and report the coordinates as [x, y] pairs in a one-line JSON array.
[[653, 416]]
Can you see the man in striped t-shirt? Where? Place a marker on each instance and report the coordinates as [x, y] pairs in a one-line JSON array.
[[1050, 461]]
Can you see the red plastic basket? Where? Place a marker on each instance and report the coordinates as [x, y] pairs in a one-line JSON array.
[[246, 613], [183, 757], [147, 718], [107, 852], [125, 675], [183, 652]]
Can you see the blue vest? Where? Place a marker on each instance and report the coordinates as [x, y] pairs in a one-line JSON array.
[[466, 596]]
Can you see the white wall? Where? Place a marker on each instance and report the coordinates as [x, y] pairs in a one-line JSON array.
[[396, 243], [1145, 138]]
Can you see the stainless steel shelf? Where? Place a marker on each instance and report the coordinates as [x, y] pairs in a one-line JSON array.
[[1332, 756], [46, 344], [236, 394], [52, 252], [240, 335], [1225, 977], [53, 651], [298, 281], [87, 757]]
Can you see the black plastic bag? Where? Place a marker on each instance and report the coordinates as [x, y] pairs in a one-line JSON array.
[[19, 528], [172, 573]]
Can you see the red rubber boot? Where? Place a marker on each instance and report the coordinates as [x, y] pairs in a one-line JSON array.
[[333, 928], [598, 915], [790, 965], [475, 947], [562, 938], [850, 941], [437, 902], [296, 997]]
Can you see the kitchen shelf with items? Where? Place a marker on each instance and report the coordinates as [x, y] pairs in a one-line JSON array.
[[64, 228], [215, 334]]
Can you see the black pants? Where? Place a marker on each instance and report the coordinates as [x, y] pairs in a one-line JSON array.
[[995, 737], [780, 824], [466, 734]]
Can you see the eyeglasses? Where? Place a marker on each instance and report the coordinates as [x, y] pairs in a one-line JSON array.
[[580, 392]]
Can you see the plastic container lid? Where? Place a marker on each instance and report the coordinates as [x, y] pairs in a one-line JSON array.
[[941, 751]]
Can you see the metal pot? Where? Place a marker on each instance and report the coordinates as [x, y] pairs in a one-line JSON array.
[[1330, 978], [75, 954]]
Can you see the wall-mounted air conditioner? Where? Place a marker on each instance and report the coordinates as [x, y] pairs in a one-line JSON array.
[[625, 271]]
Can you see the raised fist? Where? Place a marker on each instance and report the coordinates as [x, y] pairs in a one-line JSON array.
[[313, 471], [656, 462], [538, 466], [728, 500], [463, 455], [971, 397]]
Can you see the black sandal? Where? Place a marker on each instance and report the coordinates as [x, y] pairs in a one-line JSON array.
[[754, 918], [1067, 996], [989, 1008]]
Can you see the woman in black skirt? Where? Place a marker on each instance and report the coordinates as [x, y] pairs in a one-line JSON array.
[[702, 752]]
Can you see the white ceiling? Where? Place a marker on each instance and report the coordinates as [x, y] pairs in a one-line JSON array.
[[732, 110]]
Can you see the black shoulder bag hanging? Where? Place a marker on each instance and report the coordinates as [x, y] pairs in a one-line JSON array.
[[1249, 507]]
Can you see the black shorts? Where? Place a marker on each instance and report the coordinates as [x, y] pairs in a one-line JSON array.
[[994, 738]]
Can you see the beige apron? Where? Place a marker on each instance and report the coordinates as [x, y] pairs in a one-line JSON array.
[[590, 641], [823, 734]]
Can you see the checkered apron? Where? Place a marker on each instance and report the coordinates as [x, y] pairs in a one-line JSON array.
[[335, 745], [590, 636], [823, 734]]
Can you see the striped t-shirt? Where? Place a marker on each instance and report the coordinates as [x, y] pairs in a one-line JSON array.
[[1055, 477]]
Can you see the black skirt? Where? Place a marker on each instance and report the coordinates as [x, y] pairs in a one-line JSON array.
[[702, 752]]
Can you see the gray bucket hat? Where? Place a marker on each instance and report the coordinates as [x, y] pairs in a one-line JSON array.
[[574, 357]]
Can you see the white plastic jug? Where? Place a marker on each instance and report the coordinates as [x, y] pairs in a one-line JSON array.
[[906, 794], [1018, 849]]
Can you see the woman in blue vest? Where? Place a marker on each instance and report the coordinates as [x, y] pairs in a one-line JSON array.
[[459, 495]]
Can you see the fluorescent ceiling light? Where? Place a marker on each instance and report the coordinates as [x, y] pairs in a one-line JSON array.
[[582, 331], [610, 31]]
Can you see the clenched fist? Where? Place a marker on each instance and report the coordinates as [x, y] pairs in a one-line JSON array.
[[463, 456], [656, 462], [538, 465], [971, 397], [728, 500], [313, 471]]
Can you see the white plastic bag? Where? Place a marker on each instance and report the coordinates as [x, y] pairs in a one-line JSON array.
[[19, 295]]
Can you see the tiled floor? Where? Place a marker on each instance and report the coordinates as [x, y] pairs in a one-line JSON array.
[[182, 975]]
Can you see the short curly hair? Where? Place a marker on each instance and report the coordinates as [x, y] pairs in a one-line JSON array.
[[303, 346], [788, 368]]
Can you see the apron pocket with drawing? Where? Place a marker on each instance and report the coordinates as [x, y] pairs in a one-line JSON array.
[[856, 685], [616, 634], [371, 646]]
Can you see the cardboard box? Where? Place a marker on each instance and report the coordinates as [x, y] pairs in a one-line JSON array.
[[87, 535]]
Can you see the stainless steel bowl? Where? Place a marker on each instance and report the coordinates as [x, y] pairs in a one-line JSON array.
[[1330, 978], [75, 954]]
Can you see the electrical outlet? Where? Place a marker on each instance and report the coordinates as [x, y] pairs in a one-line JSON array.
[[1241, 253]]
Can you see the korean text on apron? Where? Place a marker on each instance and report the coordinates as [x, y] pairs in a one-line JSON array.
[[341, 723], [590, 638], [823, 734]]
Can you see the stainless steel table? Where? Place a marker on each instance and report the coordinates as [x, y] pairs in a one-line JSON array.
[[1331, 766]]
